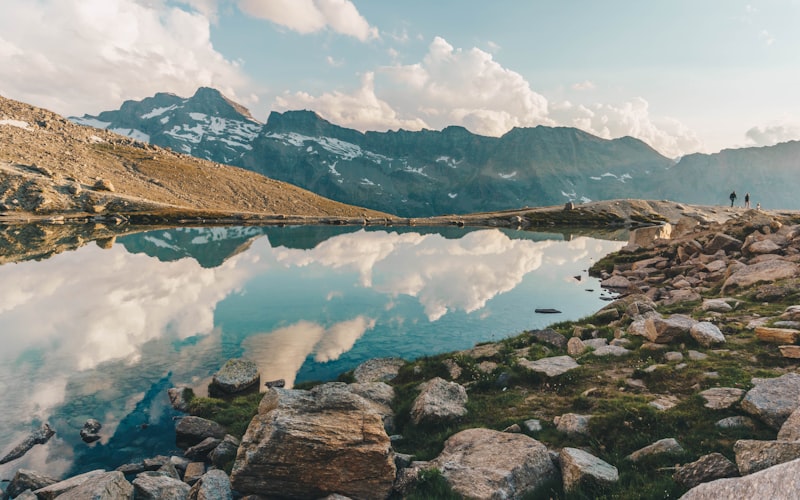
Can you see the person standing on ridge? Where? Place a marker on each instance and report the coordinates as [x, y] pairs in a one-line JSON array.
[[747, 200], [732, 197]]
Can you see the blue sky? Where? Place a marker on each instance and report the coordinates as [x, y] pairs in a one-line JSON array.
[[682, 75]]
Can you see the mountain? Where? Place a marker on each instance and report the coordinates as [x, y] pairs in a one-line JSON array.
[[49, 165], [452, 171]]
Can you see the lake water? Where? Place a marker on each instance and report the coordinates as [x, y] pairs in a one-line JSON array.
[[104, 332]]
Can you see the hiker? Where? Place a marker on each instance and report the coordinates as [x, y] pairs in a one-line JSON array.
[[732, 197], [747, 200]]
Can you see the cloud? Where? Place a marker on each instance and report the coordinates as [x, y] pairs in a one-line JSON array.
[[100, 52], [584, 85], [766, 37], [773, 134], [311, 16]]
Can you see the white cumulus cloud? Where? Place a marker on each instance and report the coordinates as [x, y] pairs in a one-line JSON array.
[[100, 52], [770, 135], [309, 16]]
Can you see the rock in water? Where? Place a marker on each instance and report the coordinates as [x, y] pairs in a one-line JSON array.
[[309, 444], [41, 436], [90, 430], [236, 375]]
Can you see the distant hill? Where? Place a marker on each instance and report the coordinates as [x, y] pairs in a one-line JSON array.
[[417, 174], [51, 165]]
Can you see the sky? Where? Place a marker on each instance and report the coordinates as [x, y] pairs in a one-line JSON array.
[[684, 76]]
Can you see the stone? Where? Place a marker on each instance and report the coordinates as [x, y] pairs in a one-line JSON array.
[[704, 469], [753, 456], [39, 436], [667, 446], [579, 467], [213, 485], [201, 450], [106, 486], [550, 337], [439, 401], [763, 247], [148, 487], [720, 398], [89, 432], [722, 241], [193, 472], [790, 351], [673, 356], [236, 375], [191, 430], [791, 313], [781, 481], [552, 366], [767, 271], [773, 400], [453, 370], [737, 422], [572, 423], [179, 398], [62, 487], [515, 428], [378, 370], [777, 335], [489, 350], [484, 463], [665, 330], [309, 444], [664, 403], [103, 185], [532, 425], [610, 350], [616, 281], [790, 430], [486, 366], [697, 356], [575, 347], [225, 452], [706, 334], [25, 479]]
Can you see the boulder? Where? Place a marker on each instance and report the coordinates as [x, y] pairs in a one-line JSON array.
[[792, 313], [704, 469], [777, 335], [720, 398], [201, 450], [309, 444], [722, 241], [753, 456], [378, 370], [107, 486], [665, 330], [92, 478], [706, 334], [772, 400], [483, 463], [191, 430], [667, 446], [552, 366], [716, 305], [736, 422], [781, 481], [572, 423], [767, 271], [89, 432], [236, 375], [439, 401], [193, 472], [147, 487], [225, 452], [617, 282], [550, 337], [39, 436], [179, 398], [213, 485], [579, 467], [25, 479], [575, 347], [103, 185], [763, 247], [790, 430]]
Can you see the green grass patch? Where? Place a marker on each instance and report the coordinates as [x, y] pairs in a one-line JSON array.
[[234, 414]]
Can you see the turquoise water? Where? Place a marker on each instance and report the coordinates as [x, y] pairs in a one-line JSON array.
[[102, 333]]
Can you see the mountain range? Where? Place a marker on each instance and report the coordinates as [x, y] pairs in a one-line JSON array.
[[424, 173]]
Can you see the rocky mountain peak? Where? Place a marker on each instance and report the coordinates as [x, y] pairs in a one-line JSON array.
[[212, 102]]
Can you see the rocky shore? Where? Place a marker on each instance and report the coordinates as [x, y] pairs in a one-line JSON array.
[[687, 385]]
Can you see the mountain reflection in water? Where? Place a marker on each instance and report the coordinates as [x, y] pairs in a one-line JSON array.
[[102, 331]]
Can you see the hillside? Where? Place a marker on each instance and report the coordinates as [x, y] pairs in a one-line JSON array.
[[52, 166]]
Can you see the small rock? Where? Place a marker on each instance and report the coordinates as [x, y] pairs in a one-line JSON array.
[[378, 370], [737, 422], [668, 446], [673, 356], [579, 467], [533, 425], [551, 367], [89, 433], [707, 334], [706, 468], [236, 375], [720, 398], [179, 398], [439, 401], [103, 185], [572, 423]]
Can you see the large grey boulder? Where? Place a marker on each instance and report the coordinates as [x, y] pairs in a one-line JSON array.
[[225, 452], [309, 444], [236, 375], [720, 398], [552, 366], [573, 423], [191, 430], [213, 485], [381, 395], [790, 430], [722, 241], [706, 334], [704, 469], [766, 271], [550, 337], [439, 401], [753, 456], [155, 487], [98, 485], [378, 370], [484, 463], [772, 400], [25, 479], [778, 482], [579, 467]]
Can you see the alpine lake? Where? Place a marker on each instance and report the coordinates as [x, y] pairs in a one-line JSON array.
[[102, 325]]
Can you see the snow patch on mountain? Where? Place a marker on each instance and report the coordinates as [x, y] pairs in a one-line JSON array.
[[450, 162], [420, 171], [15, 123], [345, 150], [157, 112], [133, 133], [90, 122], [452, 195], [508, 176]]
